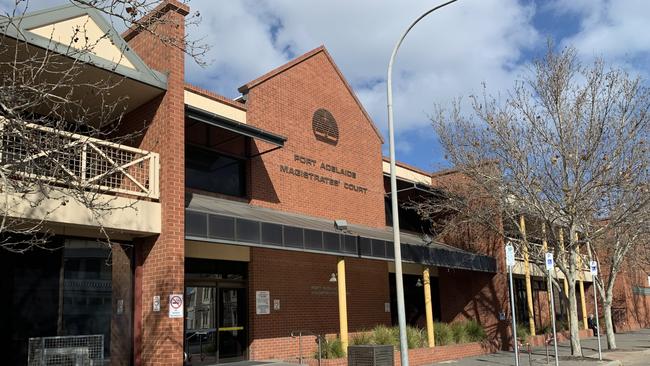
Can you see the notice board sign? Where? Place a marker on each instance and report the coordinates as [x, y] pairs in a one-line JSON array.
[[262, 302], [176, 306]]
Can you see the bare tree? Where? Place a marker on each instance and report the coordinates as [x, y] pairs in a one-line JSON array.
[[564, 139], [60, 127], [620, 245]]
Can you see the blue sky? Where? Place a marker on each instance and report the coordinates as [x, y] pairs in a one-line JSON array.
[[450, 54]]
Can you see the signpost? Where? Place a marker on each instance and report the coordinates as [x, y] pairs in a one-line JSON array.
[[510, 261], [593, 267], [550, 265]]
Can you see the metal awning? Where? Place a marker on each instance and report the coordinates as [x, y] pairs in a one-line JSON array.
[[212, 219], [212, 119]]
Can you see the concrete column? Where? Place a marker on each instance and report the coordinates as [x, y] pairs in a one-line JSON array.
[[529, 292], [428, 306], [343, 304]]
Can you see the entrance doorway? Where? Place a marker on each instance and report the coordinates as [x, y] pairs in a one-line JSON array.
[[215, 319]]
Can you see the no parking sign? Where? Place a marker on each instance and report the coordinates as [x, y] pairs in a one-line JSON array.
[[176, 306]]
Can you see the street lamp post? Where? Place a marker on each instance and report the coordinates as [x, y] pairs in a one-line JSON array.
[[393, 193]]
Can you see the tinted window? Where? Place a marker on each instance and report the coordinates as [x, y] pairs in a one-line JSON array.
[[211, 171]]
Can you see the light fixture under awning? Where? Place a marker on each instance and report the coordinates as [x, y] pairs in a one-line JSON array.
[[212, 119]]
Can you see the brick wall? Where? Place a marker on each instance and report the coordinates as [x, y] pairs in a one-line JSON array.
[[308, 301], [159, 260], [285, 104]]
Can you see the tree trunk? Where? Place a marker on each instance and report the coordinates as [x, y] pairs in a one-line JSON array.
[[574, 326], [609, 324]]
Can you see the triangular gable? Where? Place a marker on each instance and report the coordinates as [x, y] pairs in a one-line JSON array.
[[74, 26], [321, 49]]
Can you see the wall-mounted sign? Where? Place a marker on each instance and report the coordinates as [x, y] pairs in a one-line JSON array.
[[156, 303], [262, 302], [176, 306], [323, 179], [276, 304], [324, 126]]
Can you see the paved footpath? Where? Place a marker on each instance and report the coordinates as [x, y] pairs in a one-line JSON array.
[[633, 350]]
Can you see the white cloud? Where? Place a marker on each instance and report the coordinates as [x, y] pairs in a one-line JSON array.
[[450, 53], [614, 30]]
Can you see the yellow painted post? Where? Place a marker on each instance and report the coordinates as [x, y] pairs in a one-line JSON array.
[[566, 283], [428, 306], [545, 249], [343, 304], [581, 284], [529, 292]]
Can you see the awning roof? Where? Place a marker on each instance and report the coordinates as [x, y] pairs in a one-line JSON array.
[[231, 222], [126, 63], [234, 126]]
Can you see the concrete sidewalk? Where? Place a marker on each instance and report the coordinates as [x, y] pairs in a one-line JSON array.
[[633, 349]]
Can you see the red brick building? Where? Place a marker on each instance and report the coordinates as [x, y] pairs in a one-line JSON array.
[[252, 204]]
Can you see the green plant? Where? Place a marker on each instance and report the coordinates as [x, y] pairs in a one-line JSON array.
[[523, 331], [415, 337], [331, 348], [363, 337], [443, 334], [459, 332], [382, 334], [475, 332]]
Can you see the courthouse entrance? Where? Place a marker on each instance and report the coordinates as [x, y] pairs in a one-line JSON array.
[[215, 311]]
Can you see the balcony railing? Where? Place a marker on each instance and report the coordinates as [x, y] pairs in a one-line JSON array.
[[536, 254], [38, 153]]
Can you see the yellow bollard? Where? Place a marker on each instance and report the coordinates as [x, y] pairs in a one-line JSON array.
[[343, 304], [529, 292], [428, 306]]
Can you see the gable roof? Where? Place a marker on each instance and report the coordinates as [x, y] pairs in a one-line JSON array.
[[33, 27], [321, 49]]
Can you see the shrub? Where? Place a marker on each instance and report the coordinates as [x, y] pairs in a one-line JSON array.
[[443, 334], [415, 337], [331, 348], [459, 332], [475, 332], [523, 331], [382, 334], [364, 337]]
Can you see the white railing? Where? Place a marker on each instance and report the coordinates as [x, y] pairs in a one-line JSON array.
[[59, 157]]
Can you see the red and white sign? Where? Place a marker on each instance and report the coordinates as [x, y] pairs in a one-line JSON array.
[[176, 306]]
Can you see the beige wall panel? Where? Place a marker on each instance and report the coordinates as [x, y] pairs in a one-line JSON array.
[[214, 106], [407, 174], [196, 249], [124, 214], [90, 36]]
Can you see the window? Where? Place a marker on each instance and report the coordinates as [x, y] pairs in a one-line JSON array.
[[211, 171], [207, 295]]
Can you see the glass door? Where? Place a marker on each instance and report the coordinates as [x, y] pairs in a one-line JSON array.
[[232, 324], [200, 325]]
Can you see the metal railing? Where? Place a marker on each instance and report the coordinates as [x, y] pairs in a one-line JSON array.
[[85, 350], [536, 255], [69, 159]]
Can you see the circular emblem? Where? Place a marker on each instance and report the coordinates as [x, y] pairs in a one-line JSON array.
[[325, 127]]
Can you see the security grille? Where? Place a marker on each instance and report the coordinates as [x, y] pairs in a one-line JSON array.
[[66, 351]]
